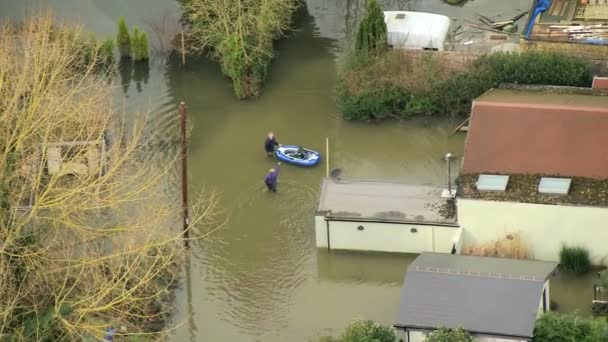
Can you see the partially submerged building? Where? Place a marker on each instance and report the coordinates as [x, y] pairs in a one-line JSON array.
[[385, 217], [416, 30], [536, 163], [494, 299], [576, 27]]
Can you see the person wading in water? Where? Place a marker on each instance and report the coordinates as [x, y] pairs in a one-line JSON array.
[[271, 178], [270, 143]]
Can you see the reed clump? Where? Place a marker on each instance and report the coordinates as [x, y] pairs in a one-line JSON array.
[[574, 259], [510, 246]]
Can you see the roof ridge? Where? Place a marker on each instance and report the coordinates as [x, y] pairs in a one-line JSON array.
[[529, 105], [495, 275]]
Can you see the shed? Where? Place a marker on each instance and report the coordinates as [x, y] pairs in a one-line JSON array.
[[385, 217], [494, 299], [416, 30]]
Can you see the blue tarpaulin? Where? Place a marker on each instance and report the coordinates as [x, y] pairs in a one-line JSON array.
[[541, 6]]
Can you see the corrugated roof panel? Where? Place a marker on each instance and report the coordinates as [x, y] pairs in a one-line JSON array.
[[492, 182], [557, 186]]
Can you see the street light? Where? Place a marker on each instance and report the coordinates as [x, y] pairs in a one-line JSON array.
[[448, 157]]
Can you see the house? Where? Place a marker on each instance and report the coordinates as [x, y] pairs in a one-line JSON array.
[[575, 27], [385, 217], [535, 163], [416, 30], [494, 299]]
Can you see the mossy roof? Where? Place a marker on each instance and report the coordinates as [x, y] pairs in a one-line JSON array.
[[524, 188]]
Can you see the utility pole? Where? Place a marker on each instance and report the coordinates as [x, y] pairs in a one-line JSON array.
[[184, 158]]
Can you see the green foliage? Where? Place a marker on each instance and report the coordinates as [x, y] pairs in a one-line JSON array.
[[139, 45], [244, 53], [384, 94], [364, 331], [552, 327], [123, 39], [449, 335], [371, 34], [574, 259], [106, 49]]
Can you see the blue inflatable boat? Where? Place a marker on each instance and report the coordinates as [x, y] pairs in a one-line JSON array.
[[297, 155]]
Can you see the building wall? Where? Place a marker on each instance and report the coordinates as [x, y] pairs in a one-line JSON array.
[[543, 227], [385, 237], [420, 335]]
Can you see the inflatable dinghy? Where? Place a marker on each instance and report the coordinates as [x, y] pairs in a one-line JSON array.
[[292, 154]]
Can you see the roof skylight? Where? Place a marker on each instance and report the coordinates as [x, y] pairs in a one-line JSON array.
[[555, 186], [492, 182]]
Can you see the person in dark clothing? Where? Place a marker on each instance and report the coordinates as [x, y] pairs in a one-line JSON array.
[[301, 153], [271, 178], [270, 143]]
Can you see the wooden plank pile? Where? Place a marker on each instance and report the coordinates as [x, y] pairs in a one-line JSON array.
[[591, 34]]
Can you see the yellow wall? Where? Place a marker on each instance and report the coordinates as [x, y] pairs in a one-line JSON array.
[[543, 227]]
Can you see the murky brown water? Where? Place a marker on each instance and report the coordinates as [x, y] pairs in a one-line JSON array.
[[261, 277]]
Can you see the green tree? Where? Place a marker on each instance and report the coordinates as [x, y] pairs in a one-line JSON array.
[[371, 35], [123, 39], [449, 335]]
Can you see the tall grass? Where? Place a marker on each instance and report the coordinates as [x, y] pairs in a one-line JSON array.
[[574, 259], [510, 246]]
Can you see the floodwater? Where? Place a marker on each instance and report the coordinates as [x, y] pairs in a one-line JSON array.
[[260, 278]]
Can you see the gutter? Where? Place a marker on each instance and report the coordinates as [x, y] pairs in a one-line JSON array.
[[503, 335]]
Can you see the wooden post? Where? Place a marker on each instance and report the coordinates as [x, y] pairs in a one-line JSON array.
[[183, 50], [326, 157], [184, 158]]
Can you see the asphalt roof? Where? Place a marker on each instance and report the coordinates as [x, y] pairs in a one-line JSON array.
[[532, 132], [383, 201], [482, 295]]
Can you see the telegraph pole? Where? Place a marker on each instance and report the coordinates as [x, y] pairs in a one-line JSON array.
[[184, 158]]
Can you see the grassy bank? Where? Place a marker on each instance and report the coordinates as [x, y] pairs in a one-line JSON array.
[[239, 34], [401, 84]]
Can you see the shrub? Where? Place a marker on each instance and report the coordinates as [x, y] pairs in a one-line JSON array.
[[106, 49], [364, 331], [552, 327], [449, 335], [433, 88], [139, 45], [371, 34], [123, 39], [574, 259]]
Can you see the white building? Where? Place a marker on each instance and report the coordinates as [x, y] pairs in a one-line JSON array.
[[494, 299], [550, 148], [385, 217], [416, 30]]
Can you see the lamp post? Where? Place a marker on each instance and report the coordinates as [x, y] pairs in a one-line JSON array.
[[448, 157]]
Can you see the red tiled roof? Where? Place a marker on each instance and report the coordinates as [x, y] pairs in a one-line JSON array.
[[600, 83], [516, 132]]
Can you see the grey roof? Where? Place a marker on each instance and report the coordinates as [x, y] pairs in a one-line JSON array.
[[482, 295], [383, 201]]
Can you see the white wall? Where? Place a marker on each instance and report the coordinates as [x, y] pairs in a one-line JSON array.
[[543, 227], [420, 335], [385, 237]]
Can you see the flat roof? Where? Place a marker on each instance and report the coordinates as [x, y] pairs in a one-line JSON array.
[[384, 201], [483, 295]]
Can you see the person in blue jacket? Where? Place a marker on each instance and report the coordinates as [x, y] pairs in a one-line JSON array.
[[271, 178], [270, 144]]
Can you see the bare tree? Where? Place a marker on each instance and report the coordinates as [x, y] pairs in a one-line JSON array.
[[89, 233]]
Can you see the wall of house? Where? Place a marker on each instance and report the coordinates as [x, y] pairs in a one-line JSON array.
[[384, 237], [420, 335], [543, 227]]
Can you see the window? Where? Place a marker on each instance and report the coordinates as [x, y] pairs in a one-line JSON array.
[[555, 186], [492, 182], [400, 16]]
